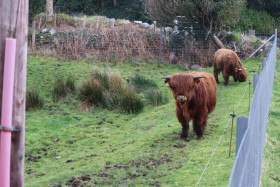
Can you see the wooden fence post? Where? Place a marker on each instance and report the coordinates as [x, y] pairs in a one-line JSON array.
[[14, 17]]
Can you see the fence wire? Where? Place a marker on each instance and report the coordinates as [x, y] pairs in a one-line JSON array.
[[246, 170]]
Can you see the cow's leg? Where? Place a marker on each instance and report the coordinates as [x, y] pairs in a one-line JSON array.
[[198, 128], [199, 124], [216, 74], [185, 130], [184, 123], [226, 77]]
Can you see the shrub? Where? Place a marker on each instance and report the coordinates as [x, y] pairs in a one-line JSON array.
[[60, 90], [130, 102], [155, 97], [141, 83], [33, 100], [70, 84], [260, 21]]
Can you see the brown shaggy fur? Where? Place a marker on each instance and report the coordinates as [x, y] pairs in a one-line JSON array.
[[200, 100], [227, 61]]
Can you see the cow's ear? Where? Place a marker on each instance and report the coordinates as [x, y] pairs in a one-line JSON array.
[[236, 70], [196, 79], [167, 80]]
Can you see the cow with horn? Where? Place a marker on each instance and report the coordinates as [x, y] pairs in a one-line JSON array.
[[228, 62], [195, 98]]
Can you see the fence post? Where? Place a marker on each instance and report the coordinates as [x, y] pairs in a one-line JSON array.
[[160, 52], [54, 22], [85, 34], [33, 34], [242, 125], [255, 80]]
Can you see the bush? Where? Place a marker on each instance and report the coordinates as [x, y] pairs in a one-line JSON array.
[[60, 90], [33, 100], [141, 83], [260, 21], [155, 97]]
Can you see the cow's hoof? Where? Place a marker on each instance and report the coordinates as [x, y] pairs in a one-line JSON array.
[[199, 137], [184, 137]]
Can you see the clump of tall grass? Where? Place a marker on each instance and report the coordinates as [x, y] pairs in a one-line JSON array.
[[91, 93], [70, 84], [62, 88], [141, 83], [130, 102], [106, 89], [33, 100], [59, 90], [155, 97]]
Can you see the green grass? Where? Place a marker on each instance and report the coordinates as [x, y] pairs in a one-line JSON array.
[[124, 149]]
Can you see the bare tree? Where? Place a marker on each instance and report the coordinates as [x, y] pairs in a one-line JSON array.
[[211, 16], [49, 9]]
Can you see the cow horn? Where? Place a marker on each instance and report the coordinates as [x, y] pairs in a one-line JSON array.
[[167, 77], [239, 69], [197, 77]]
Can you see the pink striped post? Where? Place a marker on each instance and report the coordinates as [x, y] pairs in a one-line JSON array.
[[7, 103]]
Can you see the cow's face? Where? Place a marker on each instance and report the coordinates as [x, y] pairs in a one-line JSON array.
[[182, 86], [240, 74]]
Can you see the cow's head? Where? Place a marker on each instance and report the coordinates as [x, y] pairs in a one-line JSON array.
[[182, 86], [240, 74]]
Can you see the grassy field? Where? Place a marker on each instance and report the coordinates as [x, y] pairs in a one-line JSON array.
[[66, 146]]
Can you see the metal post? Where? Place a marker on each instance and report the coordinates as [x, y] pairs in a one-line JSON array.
[[85, 35], [242, 125], [160, 53], [33, 35], [249, 92]]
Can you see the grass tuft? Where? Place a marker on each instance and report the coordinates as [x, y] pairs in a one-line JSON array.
[[141, 83], [91, 93], [59, 90], [130, 102], [155, 97], [70, 84], [33, 100]]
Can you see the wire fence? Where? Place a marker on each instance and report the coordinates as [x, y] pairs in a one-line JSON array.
[[131, 41], [246, 170]]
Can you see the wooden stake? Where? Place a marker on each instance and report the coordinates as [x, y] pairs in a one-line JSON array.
[[15, 14], [233, 115]]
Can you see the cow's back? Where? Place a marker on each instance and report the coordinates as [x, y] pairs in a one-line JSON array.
[[226, 57], [206, 90]]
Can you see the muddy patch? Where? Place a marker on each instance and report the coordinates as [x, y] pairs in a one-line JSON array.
[[78, 181]]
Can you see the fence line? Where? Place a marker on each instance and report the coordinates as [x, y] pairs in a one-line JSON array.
[[246, 170], [230, 116]]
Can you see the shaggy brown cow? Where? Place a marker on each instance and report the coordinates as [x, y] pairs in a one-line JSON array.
[[195, 98], [227, 61]]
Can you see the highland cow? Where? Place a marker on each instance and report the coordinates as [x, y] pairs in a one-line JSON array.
[[195, 98], [227, 61]]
